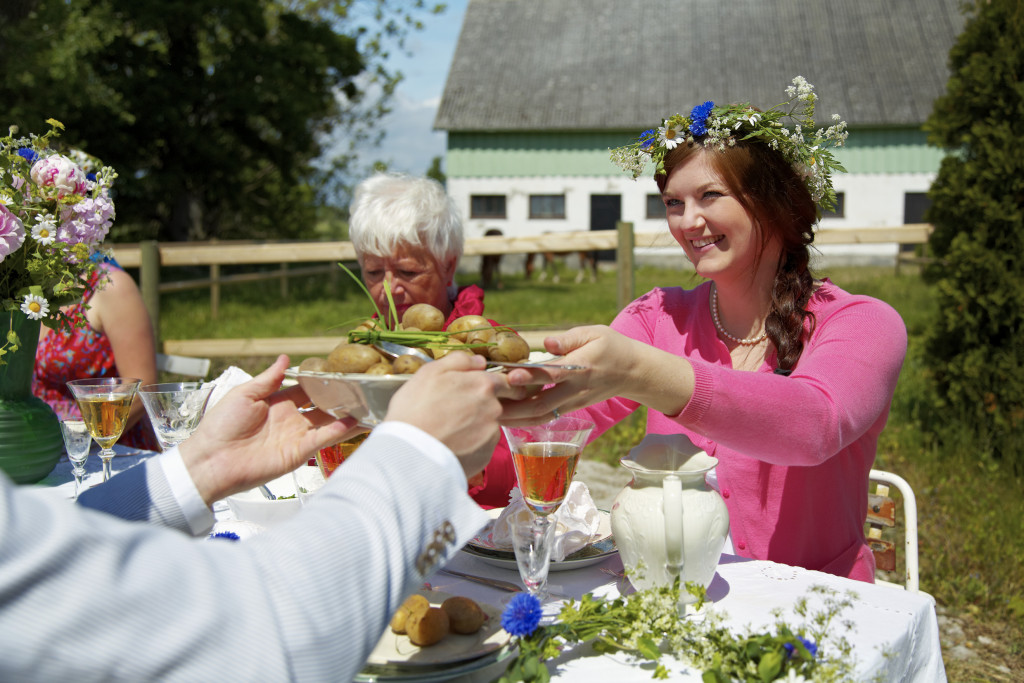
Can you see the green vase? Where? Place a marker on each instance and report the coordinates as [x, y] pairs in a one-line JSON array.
[[30, 438]]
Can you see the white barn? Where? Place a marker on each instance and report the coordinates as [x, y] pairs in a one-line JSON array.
[[539, 90]]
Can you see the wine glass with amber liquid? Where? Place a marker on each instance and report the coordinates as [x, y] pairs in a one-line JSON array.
[[545, 458], [105, 403]]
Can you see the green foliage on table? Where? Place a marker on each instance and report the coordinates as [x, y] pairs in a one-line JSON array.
[[217, 114], [975, 347], [648, 623]]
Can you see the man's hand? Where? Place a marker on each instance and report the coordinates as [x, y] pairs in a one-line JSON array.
[[256, 433], [454, 401]]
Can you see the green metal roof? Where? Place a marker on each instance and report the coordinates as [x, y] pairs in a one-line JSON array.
[[526, 154]]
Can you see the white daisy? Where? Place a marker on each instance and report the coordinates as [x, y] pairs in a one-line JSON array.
[[671, 134], [35, 307], [794, 677], [44, 231]]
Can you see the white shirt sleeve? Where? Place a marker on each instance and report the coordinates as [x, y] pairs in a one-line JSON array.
[[197, 514], [431, 448], [200, 517]]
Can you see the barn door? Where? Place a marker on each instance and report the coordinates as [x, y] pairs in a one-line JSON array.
[[605, 212]]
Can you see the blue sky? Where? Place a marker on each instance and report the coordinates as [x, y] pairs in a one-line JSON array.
[[410, 143]]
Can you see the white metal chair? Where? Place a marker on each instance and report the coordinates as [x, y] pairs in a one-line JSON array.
[[183, 365], [882, 515]]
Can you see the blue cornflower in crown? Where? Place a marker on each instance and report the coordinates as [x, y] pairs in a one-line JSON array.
[[806, 149], [699, 117]]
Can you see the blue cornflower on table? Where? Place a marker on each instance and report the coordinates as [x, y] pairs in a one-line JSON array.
[[522, 615]]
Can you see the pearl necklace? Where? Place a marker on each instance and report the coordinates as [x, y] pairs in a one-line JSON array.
[[750, 341]]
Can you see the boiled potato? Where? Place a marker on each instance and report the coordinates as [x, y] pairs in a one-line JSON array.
[[369, 324], [414, 604], [464, 615], [382, 368], [407, 365], [352, 358], [483, 339], [441, 353], [314, 364], [460, 326], [427, 627], [508, 347], [423, 317]]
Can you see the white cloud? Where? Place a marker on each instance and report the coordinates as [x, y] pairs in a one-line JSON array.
[[410, 144]]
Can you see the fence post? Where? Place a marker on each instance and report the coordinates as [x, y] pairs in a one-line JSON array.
[[214, 288], [624, 263], [149, 283]]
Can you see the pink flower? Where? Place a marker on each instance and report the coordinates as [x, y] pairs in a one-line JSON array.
[[12, 233], [87, 221], [60, 173]]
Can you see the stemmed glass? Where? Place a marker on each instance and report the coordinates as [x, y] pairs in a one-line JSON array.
[[105, 403], [175, 409], [77, 442], [545, 457]]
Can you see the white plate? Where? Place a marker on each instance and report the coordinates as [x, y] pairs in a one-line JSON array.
[[395, 674], [397, 650], [601, 546]]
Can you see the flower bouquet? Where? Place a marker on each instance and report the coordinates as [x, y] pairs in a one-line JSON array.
[[55, 210]]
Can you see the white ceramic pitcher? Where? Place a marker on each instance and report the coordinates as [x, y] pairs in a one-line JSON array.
[[668, 521]]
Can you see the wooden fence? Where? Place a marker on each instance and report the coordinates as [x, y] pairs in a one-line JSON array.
[[149, 257]]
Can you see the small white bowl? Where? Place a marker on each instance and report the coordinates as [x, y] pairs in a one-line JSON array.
[[252, 506]]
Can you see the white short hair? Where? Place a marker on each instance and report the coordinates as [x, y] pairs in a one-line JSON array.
[[389, 209]]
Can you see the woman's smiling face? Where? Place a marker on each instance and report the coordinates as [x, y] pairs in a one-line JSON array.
[[716, 231]]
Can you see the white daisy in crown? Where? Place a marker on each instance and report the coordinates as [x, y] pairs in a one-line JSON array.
[[670, 135]]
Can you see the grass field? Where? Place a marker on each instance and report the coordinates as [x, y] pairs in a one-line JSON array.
[[971, 510]]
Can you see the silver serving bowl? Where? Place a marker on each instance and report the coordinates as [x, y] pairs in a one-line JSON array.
[[364, 397]]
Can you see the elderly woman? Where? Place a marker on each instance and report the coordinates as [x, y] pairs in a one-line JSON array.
[[407, 232]]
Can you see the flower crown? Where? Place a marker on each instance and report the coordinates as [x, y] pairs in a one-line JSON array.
[[723, 126]]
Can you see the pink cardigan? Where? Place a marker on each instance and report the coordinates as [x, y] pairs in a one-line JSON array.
[[794, 452]]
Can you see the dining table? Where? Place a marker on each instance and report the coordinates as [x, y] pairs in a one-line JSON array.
[[893, 633]]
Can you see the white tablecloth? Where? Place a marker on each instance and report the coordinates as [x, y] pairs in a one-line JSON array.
[[61, 481], [894, 633]]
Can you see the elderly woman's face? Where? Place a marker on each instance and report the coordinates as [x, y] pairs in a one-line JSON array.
[[415, 277]]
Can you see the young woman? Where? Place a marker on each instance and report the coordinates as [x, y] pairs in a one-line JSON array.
[[785, 378]]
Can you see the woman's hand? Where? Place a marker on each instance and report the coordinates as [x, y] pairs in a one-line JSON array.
[[615, 366]]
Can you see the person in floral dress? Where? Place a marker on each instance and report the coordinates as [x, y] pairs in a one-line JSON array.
[[116, 340]]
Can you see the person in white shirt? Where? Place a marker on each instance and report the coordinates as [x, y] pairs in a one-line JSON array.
[[87, 596]]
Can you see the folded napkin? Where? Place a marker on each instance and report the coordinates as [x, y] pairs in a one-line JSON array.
[[576, 521], [228, 380]]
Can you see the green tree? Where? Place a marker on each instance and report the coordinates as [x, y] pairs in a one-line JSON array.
[[216, 113], [436, 172], [975, 349]]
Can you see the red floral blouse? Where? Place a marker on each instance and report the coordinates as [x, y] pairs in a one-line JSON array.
[[81, 353]]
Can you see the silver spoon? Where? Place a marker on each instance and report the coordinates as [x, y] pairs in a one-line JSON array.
[[393, 350]]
